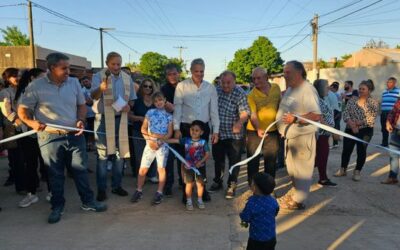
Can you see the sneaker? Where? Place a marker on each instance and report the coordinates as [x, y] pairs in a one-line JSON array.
[[341, 172], [137, 196], [327, 183], [55, 215], [119, 191], [28, 200], [206, 196], [157, 198], [94, 206], [101, 195], [215, 187], [230, 192], [356, 175], [189, 205], [48, 196], [200, 204], [168, 192], [154, 180], [390, 181]]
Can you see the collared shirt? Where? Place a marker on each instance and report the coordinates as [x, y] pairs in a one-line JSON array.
[[54, 104], [117, 88], [389, 98], [230, 105], [86, 94], [196, 103], [332, 100], [265, 106], [300, 100], [260, 212], [366, 113]]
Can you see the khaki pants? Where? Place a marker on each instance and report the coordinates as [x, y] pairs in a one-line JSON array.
[[300, 157]]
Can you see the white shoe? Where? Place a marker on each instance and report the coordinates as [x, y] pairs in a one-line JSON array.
[[48, 196], [28, 200], [356, 175]]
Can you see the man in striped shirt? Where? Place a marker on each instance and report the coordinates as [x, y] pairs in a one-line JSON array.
[[389, 97]]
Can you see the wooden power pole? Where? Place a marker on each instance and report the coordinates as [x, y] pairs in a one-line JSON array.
[[181, 48], [31, 38], [314, 25]]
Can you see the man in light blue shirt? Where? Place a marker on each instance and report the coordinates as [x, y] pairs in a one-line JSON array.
[[389, 97]]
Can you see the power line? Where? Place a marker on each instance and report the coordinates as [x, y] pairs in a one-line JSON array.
[[348, 14], [298, 32], [361, 35], [341, 8], [13, 5], [294, 45], [121, 42]]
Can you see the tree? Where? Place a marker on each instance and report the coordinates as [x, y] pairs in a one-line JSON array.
[[152, 64], [133, 66], [340, 63], [261, 53], [13, 37], [398, 46]]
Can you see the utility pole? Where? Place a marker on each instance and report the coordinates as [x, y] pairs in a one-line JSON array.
[[180, 51], [314, 25], [31, 38], [101, 44]]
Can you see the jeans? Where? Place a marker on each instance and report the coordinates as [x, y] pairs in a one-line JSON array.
[[269, 151], [230, 148], [102, 156], [385, 133], [394, 158], [134, 167], [56, 150], [348, 146]]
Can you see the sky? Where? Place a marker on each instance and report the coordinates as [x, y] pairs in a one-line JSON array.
[[210, 29]]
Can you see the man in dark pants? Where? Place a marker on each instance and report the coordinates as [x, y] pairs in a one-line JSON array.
[[196, 99], [172, 75], [389, 97], [233, 113]]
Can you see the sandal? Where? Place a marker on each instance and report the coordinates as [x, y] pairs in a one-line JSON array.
[[292, 205]]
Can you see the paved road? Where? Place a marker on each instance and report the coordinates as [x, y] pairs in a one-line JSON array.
[[351, 216]]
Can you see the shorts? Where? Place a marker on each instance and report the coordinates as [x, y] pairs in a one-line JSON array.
[[189, 176], [161, 155]]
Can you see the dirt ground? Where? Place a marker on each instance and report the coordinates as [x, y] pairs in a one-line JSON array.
[[353, 215]]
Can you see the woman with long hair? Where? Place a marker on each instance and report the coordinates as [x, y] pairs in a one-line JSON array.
[[30, 147], [359, 115], [143, 103]]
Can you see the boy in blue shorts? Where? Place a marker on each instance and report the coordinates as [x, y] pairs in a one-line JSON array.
[[157, 125]]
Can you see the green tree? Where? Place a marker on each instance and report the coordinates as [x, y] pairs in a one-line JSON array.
[[340, 63], [12, 36], [261, 53], [133, 66], [398, 46], [152, 64]]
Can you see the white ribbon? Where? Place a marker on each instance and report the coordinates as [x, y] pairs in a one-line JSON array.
[[16, 137]]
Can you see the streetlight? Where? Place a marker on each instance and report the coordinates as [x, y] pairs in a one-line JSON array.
[[101, 44]]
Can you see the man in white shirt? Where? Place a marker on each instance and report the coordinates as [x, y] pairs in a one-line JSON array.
[[196, 99]]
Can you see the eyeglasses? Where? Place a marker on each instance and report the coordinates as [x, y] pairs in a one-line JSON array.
[[147, 87]]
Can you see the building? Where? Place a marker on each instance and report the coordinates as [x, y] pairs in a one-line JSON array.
[[20, 57], [369, 57]]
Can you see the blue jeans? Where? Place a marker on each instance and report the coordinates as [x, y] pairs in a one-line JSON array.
[[101, 145], [394, 158], [57, 152]]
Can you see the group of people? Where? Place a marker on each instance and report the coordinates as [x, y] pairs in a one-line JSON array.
[[148, 127]]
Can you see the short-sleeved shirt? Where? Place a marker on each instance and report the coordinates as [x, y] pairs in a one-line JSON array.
[[159, 120], [389, 98], [300, 100], [327, 116], [260, 212], [366, 114], [117, 88], [54, 104], [230, 105], [265, 106], [140, 109], [194, 150]]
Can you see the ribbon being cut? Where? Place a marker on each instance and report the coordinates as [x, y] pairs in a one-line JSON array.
[[257, 152], [66, 128], [317, 124]]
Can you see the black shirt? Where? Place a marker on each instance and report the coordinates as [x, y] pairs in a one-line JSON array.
[[168, 91], [140, 109]]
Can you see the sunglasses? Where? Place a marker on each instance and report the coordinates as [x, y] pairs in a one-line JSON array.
[[147, 87]]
